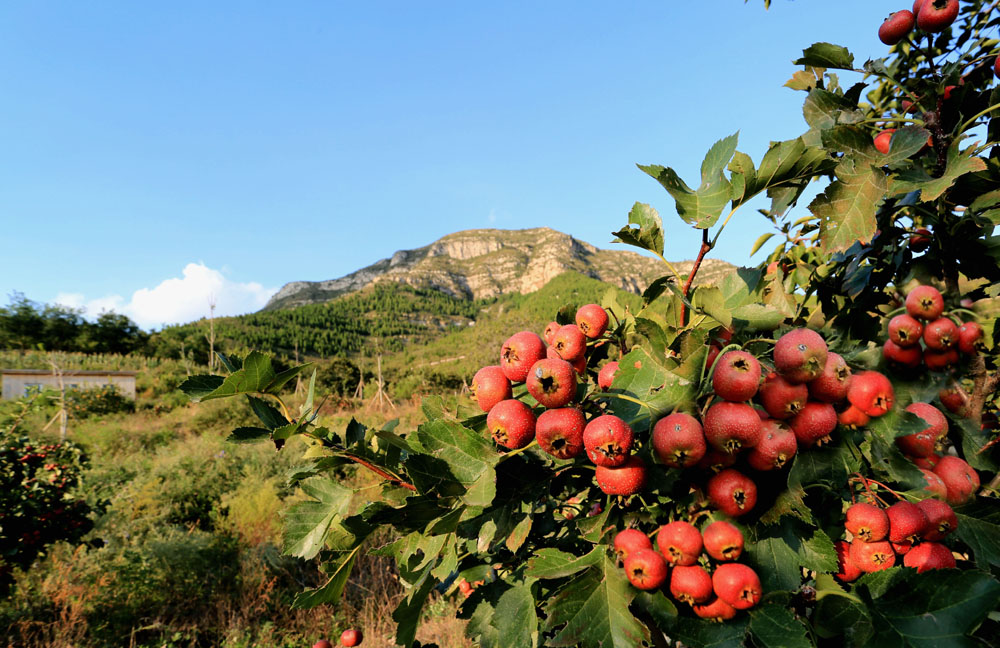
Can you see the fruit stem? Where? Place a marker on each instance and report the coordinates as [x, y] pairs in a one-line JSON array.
[[378, 471], [705, 247], [512, 453], [966, 311], [673, 270], [971, 120]]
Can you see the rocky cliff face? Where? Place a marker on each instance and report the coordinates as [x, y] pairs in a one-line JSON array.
[[484, 263]]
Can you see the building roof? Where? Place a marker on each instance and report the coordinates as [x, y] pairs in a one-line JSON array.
[[67, 372]]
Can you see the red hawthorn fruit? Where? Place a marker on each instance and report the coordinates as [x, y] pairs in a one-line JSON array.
[[871, 392], [923, 443], [935, 485], [678, 440], [627, 479], [813, 425], [606, 376], [730, 427], [905, 330], [569, 342], [940, 360], [955, 400], [552, 382], [323, 643], [996, 67], [736, 376], [519, 353], [941, 519], [896, 27], [901, 548], [715, 460], [921, 238], [872, 556], [350, 638], [490, 386], [608, 440], [907, 522], [723, 541], [645, 569], [847, 571], [883, 140], [929, 555], [592, 320], [852, 417], [732, 492], [959, 478], [579, 365], [925, 302], [800, 355], [917, 4], [831, 385], [909, 357], [691, 584], [715, 610], [511, 423], [969, 335], [560, 432], [781, 399], [937, 15], [630, 540], [737, 585], [776, 447], [941, 334], [466, 588], [713, 353], [679, 542], [550, 331], [867, 522]]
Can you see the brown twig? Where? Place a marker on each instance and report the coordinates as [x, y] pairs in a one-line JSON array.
[[705, 247], [378, 471]]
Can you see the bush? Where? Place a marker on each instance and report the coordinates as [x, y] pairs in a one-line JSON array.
[[106, 399]]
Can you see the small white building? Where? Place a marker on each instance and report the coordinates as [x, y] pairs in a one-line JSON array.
[[19, 382]]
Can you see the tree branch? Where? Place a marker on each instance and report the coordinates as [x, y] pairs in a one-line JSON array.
[[378, 471], [705, 247]]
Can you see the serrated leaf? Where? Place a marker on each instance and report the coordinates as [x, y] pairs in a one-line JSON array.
[[464, 457], [982, 537], [710, 300], [330, 592], [267, 414], [591, 611], [643, 379], [519, 534], [307, 523], [197, 387], [774, 626], [915, 178], [248, 435], [827, 55], [659, 607], [906, 142], [847, 207], [553, 563], [648, 233], [407, 613], [775, 562], [515, 618], [708, 634], [280, 380], [822, 110], [758, 317], [830, 465]]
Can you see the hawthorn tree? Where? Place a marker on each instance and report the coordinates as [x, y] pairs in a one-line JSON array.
[[528, 538]]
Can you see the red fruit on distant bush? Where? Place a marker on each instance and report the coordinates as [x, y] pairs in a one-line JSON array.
[[959, 478], [909, 357], [729, 427], [737, 585], [969, 335], [350, 638], [519, 353], [781, 399], [732, 492], [736, 376], [925, 302], [679, 542], [867, 521], [831, 385], [937, 15], [569, 342], [715, 610], [678, 440], [884, 140], [550, 331], [940, 334], [941, 519], [560, 432], [800, 355], [606, 376], [645, 569], [691, 584], [723, 541], [776, 447], [896, 27], [631, 540], [852, 417], [592, 320], [552, 382], [511, 423], [923, 443], [872, 556], [847, 570], [935, 485], [905, 330], [608, 440], [871, 392], [929, 555], [490, 386], [813, 425], [954, 399], [627, 479], [907, 522]]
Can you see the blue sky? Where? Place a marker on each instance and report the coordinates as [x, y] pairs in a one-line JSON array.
[[155, 153]]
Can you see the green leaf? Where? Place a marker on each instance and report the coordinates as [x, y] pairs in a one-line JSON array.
[[267, 414], [982, 537], [906, 142], [774, 626], [779, 553], [759, 243], [649, 233], [758, 317], [823, 110], [515, 618], [830, 465], [848, 206], [231, 364], [459, 455], [307, 523], [275, 384], [708, 634], [659, 607], [775, 562], [519, 534], [915, 178], [553, 563], [790, 162], [197, 387], [592, 611], [641, 378], [407, 613], [827, 55], [248, 435], [330, 592], [710, 300]]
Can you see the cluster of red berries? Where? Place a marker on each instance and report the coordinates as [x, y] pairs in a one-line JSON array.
[[912, 531], [928, 15], [924, 335], [348, 638], [466, 588], [684, 553]]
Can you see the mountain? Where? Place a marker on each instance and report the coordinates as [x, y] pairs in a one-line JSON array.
[[480, 264]]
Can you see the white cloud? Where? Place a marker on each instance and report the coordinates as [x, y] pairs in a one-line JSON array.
[[179, 299]]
